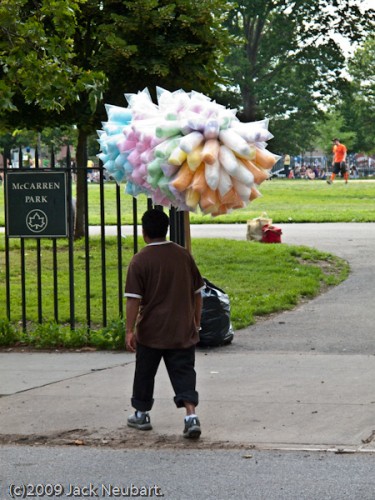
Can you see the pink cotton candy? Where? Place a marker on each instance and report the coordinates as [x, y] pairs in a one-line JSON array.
[[123, 146], [134, 158], [137, 177], [160, 198], [147, 156]]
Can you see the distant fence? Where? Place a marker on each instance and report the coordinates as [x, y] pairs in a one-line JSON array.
[[54, 278]]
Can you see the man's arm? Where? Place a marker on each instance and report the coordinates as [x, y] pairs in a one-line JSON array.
[[132, 308], [198, 309]]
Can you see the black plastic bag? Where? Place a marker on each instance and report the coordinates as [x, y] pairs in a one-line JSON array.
[[216, 328]]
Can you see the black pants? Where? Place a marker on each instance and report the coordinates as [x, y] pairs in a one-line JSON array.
[[180, 367]]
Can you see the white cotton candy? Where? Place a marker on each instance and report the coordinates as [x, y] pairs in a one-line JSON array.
[[225, 182], [232, 140], [191, 141], [243, 175], [211, 129], [228, 160], [212, 174], [242, 190]]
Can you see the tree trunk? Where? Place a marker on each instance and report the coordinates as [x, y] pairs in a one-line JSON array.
[[81, 158], [249, 113]]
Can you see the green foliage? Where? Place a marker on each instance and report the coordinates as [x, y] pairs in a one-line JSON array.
[[9, 335], [263, 279], [334, 125], [284, 200], [259, 279], [110, 337], [37, 69], [79, 49], [51, 335], [358, 105], [107, 48], [285, 62]]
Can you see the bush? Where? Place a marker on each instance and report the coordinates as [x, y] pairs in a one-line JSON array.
[[55, 336], [9, 335]]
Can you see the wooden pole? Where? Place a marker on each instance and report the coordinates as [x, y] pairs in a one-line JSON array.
[[187, 231]]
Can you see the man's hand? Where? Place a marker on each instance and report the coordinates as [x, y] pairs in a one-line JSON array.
[[130, 342]]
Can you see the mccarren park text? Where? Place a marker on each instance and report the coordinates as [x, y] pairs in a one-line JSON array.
[[35, 185]]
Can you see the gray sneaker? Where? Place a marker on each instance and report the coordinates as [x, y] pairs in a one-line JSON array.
[[329, 181], [142, 423], [192, 428]]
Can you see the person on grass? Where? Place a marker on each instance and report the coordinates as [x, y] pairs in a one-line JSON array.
[[163, 313], [339, 161]]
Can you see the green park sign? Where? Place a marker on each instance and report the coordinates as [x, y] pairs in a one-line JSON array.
[[36, 204]]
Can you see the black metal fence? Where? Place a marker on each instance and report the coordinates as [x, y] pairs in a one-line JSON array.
[[52, 279]]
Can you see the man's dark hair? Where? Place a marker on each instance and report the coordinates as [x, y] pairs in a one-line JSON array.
[[155, 223]]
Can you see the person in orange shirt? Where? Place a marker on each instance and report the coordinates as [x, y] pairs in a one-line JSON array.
[[339, 161]]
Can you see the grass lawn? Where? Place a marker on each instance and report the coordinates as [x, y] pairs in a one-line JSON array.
[[259, 279], [283, 200]]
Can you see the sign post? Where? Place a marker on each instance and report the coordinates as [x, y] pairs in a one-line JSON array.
[[36, 204]]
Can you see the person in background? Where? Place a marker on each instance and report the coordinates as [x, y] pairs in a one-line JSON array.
[[286, 165], [339, 161], [163, 312], [354, 172]]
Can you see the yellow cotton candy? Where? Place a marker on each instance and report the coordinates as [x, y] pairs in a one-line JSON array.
[[177, 157], [194, 159], [192, 198]]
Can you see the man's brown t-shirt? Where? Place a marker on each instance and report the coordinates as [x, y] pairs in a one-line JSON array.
[[165, 277]]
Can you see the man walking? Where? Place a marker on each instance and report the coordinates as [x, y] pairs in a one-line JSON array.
[[339, 161], [163, 312]]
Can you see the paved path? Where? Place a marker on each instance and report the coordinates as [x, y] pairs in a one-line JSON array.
[[303, 379]]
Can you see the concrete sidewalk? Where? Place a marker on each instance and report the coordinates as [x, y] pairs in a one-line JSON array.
[[302, 379]]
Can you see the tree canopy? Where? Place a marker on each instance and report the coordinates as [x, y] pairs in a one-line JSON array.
[[359, 101], [60, 60], [62, 56], [286, 62], [69, 57], [37, 70]]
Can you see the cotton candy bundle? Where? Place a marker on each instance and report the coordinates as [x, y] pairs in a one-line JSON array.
[[186, 151]]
